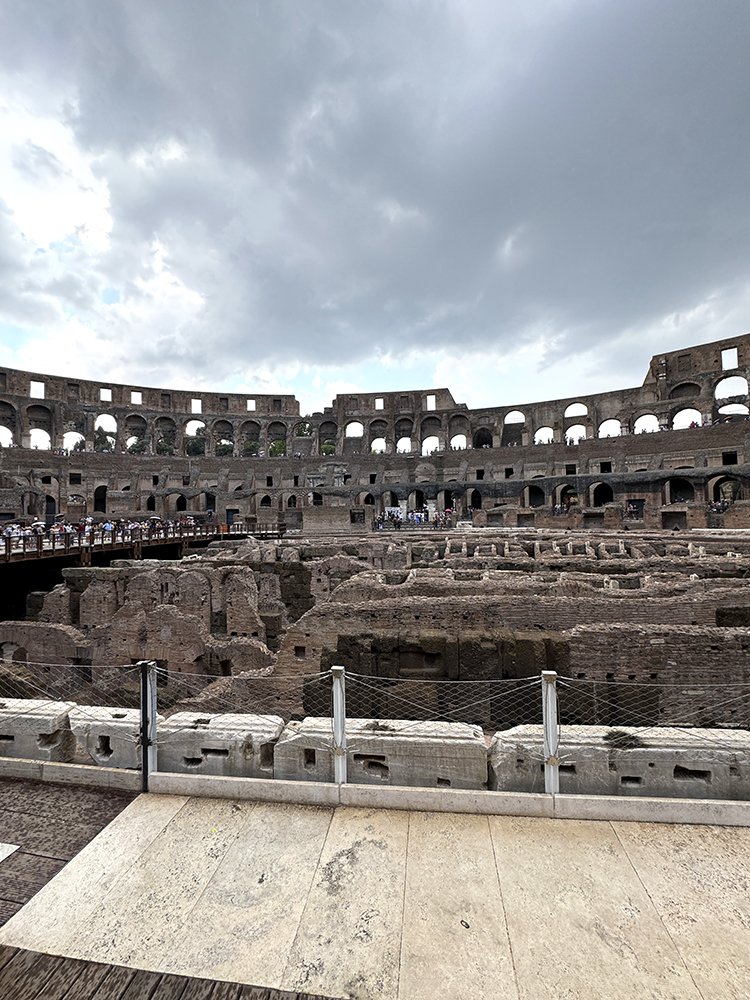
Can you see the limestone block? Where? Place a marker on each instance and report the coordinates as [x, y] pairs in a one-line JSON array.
[[111, 736], [386, 752], [226, 745], [36, 729], [603, 760]]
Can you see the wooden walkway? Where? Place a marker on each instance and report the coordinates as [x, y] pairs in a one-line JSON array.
[[50, 823], [29, 975]]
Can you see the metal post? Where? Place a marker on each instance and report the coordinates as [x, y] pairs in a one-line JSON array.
[[550, 723], [339, 725], [148, 719]]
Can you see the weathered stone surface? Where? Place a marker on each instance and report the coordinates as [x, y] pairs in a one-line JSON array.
[[36, 729], [227, 745], [386, 751], [602, 760], [111, 736]]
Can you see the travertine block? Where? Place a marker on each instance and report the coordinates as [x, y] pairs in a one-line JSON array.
[[36, 729], [386, 752], [111, 736], [226, 745], [604, 760]]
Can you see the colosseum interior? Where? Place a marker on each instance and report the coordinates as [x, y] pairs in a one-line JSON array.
[[598, 536]]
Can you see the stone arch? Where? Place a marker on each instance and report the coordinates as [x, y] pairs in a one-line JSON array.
[[577, 409], [534, 496], [601, 494], [291, 502], [151, 502], [609, 428], [180, 503], [678, 490], [685, 390], [165, 436], [222, 433], [136, 429], [100, 500], [195, 432], [727, 388], [544, 435], [404, 433], [265, 501], [105, 432], [575, 433], [354, 429], [249, 438], [369, 500], [277, 439], [475, 499], [74, 441], [327, 433], [459, 432], [482, 438], [646, 423], [566, 495], [377, 432], [724, 488], [513, 425], [8, 425], [39, 420], [688, 417]]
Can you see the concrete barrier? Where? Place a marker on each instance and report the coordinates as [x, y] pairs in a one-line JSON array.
[[386, 752], [627, 761], [223, 745], [36, 729]]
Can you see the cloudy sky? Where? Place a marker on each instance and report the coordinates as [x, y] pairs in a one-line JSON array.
[[516, 200]]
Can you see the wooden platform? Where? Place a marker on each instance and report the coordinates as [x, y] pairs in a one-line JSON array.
[[51, 824], [29, 975]]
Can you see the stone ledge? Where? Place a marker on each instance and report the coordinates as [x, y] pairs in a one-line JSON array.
[[70, 774], [456, 800], [261, 789], [711, 812]]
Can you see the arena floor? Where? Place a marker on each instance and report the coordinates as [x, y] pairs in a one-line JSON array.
[[374, 903]]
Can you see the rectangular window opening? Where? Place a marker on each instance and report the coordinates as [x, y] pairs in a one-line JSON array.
[[136, 397], [36, 390], [729, 359], [250, 404], [105, 395], [431, 403], [379, 403], [196, 406]]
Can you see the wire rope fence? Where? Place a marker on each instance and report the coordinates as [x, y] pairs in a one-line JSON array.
[[540, 733]]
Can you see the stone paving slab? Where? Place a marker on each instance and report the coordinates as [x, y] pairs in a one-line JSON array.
[[365, 903]]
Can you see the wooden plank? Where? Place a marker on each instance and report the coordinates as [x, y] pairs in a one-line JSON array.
[[74, 980], [114, 984], [226, 991], [143, 986], [8, 909], [23, 978], [6, 953]]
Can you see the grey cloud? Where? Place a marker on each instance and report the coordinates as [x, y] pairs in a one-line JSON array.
[[607, 142]]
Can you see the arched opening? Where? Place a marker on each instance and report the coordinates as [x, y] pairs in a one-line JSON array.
[[50, 509], [430, 445], [165, 436], [534, 496], [303, 429], [250, 438], [317, 500], [276, 439], [327, 437], [403, 446], [369, 500], [389, 499], [105, 432], [610, 428], [482, 438], [292, 502], [403, 432], [195, 438], [100, 500], [647, 423], [39, 420], [416, 500], [223, 435], [601, 494], [575, 433], [567, 496], [733, 412], [181, 502], [151, 502], [544, 435], [458, 442], [135, 434], [576, 410], [429, 432], [513, 424], [354, 429], [725, 490], [265, 501], [688, 417], [475, 500], [378, 446], [735, 385], [40, 439], [8, 424], [685, 390], [459, 433], [678, 490], [377, 432]]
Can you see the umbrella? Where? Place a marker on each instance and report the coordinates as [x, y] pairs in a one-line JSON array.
[[38, 524]]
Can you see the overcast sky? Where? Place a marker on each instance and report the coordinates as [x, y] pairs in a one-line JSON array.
[[516, 200]]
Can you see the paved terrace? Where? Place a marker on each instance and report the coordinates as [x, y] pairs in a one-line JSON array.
[[372, 904]]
